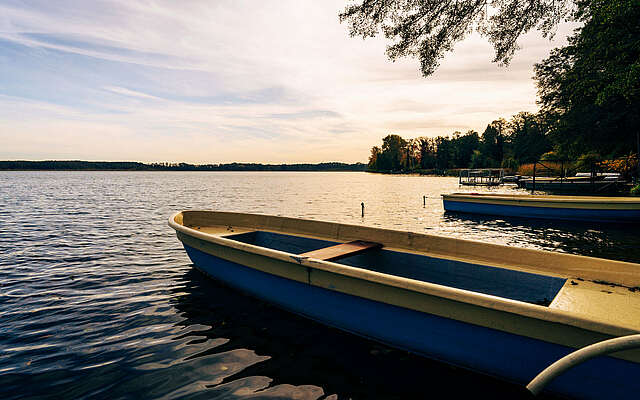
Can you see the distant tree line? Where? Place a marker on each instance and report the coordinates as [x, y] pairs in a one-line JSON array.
[[502, 144], [589, 97], [165, 166]]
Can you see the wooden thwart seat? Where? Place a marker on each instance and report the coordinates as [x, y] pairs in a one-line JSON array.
[[336, 252]]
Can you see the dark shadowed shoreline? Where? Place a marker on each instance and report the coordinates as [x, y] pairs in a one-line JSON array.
[[76, 165]]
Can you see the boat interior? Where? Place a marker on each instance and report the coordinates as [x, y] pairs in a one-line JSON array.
[[600, 289], [501, 282]]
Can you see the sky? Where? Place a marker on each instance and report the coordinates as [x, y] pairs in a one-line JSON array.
[[273, 81]]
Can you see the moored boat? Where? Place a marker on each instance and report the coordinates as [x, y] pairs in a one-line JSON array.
[[504, 311], [577, 208]]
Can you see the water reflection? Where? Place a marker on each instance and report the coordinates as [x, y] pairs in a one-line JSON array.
[[613, 241], [308, 359], [99, 300]]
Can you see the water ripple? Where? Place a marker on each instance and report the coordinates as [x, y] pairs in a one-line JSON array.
[[98, 298]]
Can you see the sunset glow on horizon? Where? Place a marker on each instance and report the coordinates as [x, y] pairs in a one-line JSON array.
[[203, 82]]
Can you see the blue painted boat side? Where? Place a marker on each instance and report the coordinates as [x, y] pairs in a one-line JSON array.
[[508, 356], [526, 211]]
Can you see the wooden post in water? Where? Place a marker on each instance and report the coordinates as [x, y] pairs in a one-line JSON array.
[[593, 177], [533, 185], [424, 201], [362, 204]]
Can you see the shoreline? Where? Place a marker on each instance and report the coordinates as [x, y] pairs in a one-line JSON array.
[[182, 170], [225, 170], [451, 174], [79, 165]]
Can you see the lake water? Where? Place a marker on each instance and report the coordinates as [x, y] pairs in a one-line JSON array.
[[99, 300]]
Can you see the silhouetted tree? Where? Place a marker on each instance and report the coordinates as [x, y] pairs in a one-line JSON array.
[[464, 146], [427, 150], [444, 153], [393, 152], [589, 91], [427, 29], [374, 157], [491, 150], [527, 140]]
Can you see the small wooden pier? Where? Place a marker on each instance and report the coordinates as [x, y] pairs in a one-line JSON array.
[[563, 177], [481, 177]]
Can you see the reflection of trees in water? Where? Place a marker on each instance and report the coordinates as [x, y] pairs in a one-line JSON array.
[[594, 239], [303, 352]]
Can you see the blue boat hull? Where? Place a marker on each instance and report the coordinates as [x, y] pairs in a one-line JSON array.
[[511, 357], [571, 214]]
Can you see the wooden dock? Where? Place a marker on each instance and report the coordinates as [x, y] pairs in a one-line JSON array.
[[481, 177]]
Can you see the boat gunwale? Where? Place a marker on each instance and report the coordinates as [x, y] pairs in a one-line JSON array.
[[495, 303], [540, 200]]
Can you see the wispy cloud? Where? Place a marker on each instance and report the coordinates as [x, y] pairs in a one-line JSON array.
[[130, 93], [205, 81]]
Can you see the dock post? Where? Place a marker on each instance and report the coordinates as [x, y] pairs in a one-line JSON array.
[[424, 201], [638, 156], [533, 185], [593, 176]]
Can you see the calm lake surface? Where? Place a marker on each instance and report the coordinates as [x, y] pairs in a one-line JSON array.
[[99, 300]]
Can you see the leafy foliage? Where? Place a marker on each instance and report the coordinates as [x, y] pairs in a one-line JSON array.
[[427, 29], [589, 91], [492, 144], [626, 166], [544, 169], [503, 143], [527, 139]]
